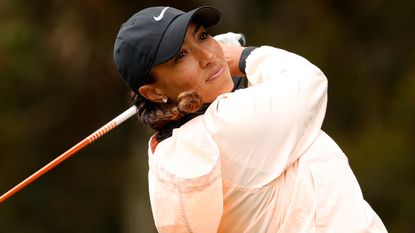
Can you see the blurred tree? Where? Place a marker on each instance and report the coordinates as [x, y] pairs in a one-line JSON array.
[[58, 84]]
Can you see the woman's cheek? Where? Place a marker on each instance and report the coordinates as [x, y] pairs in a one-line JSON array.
[[215, 46], [192, 76]]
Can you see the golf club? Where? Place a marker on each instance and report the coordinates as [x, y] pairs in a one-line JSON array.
[[227, 38], [73, 150]]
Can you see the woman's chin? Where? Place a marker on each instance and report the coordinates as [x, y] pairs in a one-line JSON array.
[[222, 88]]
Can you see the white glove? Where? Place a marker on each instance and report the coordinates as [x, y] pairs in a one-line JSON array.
[[230, 38]]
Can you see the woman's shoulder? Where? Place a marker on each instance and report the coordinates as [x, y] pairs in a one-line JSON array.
[[188, 154]]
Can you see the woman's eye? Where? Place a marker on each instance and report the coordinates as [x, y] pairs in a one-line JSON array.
[[203, 36], [180, 55]]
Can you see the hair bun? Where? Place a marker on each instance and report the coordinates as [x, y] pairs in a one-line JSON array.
[[189, 102]]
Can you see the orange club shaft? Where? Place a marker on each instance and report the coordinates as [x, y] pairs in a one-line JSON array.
[[73, 150]]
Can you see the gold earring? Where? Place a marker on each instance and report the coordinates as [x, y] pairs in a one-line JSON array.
[[164, 99]]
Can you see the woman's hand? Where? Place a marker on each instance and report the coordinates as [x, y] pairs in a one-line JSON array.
[[232, 55], [231, 45]]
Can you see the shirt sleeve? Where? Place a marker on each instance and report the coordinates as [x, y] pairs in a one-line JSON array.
[[263, 129], [185, 183]]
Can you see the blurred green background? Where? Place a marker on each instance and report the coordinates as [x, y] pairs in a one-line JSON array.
[[58, 84]]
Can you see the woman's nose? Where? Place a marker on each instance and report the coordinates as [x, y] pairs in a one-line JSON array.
[[205, 56]]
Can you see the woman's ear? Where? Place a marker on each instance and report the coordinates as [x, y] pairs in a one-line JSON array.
[[150, 92]]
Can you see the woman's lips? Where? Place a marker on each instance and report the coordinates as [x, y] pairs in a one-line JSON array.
[[218, 72]]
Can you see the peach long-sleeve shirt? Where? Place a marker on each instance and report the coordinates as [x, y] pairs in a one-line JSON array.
[[257, 161]]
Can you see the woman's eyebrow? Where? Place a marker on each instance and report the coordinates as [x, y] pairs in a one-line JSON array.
[[196, 29]]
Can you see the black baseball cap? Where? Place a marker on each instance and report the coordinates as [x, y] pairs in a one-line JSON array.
[[153, 36]]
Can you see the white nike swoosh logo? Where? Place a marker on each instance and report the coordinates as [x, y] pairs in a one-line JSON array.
[[158, 18]]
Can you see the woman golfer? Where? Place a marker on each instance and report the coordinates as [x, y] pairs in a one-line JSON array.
[[250, 160]]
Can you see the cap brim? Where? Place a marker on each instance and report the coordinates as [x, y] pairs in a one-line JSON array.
[[174, 36]]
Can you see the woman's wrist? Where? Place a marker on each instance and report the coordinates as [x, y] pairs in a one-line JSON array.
[[232, 56], [244, 55]]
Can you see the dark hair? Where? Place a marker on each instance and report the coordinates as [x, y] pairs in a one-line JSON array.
[[163, 117]]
